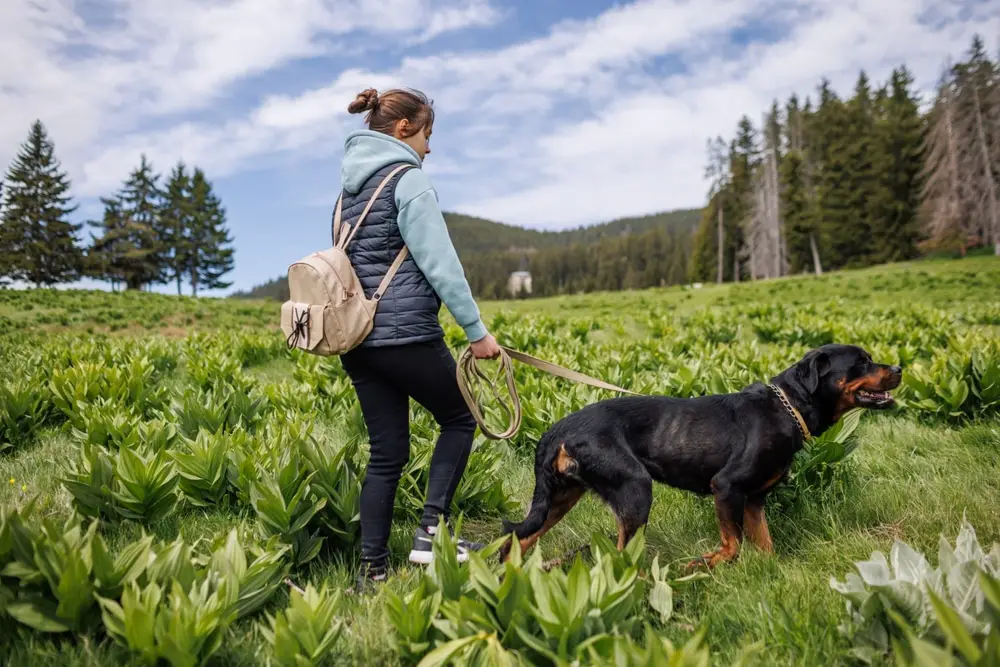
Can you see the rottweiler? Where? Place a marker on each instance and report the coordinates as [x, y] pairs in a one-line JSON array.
[[736, 447]]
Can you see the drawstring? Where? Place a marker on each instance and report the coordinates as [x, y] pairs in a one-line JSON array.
[[300, 329]]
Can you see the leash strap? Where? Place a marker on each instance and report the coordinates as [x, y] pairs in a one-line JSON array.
[[468, 369]]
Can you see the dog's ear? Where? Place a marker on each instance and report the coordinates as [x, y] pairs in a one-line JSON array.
[[811, 369]]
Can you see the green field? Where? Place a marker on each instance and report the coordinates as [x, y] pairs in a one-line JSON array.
[[185, 422]]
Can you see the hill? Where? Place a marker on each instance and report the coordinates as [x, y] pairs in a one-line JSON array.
[[506, 247]]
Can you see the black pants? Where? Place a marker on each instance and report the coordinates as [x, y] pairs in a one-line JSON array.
[[384, 379]]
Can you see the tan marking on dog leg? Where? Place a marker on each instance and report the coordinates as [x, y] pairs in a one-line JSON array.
[[562, 503], [731, 534], [755, 527]]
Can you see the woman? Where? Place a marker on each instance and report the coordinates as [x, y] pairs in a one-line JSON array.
[[405, 354]]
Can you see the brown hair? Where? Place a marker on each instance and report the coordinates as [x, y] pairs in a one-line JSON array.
[[387, 109]]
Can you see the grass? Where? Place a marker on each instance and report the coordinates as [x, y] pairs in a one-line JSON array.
[[911, 479]]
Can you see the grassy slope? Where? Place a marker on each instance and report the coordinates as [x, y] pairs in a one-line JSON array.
[[907, 480]]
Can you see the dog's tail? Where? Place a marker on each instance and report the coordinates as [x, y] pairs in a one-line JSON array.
[[541, 499]]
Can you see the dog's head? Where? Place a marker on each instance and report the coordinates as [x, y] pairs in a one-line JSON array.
[[836, 378]]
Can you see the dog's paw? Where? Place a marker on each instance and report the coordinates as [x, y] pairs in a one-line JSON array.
[[699, 563], [710, 560]]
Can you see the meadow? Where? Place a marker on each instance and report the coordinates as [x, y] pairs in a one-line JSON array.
[[177, 487]]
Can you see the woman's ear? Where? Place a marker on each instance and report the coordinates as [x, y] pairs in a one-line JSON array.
[[402, 127]]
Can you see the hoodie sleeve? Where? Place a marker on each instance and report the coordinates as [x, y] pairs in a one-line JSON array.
[[426, 235]]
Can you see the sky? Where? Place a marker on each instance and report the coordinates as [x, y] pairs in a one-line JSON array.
[[549, 113]]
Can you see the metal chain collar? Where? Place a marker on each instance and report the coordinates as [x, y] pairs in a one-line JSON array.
[[803, 429]]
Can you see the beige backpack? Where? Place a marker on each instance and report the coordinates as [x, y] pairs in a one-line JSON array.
[[327, 312]]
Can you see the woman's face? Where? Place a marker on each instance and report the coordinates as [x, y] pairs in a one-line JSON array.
[[419, 141]]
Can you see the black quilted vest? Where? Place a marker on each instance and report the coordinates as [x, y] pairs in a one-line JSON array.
[[408, 311]]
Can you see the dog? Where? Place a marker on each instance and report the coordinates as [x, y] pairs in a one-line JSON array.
[[736, 447]]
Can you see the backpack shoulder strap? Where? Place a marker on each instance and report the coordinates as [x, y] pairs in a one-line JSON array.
[[337, 223]]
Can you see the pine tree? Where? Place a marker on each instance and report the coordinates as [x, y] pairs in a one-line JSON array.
[[176, 223], [6, 248], [744, 158], [851, 239], [897, 165], [798, 191], [129, 249], [141, 203], [209, 253], [795, 209], [703, 263], [113, 255], [828, 141], [37, 242]]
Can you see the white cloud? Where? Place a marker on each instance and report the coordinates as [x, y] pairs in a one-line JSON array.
[[644, 150], [582, 124], [99, 79]]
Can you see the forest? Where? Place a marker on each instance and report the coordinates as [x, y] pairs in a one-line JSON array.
[[150, 233], [842, 183], [821, 182]]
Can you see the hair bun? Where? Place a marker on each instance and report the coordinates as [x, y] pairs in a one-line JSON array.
[[365, 101]]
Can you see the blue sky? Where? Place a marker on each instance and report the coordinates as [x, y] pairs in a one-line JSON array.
[[550, 113]]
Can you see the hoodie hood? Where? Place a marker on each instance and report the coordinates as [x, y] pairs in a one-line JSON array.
[[365, 152]]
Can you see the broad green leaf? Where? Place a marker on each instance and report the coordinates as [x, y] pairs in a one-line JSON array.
[[953, 627], [39, 614], [661, 599], [442, 654]]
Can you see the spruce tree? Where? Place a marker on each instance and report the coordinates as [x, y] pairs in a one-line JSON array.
[[795, 211], [798, 190], [37, 242], [113, 254], [6, 248], [829, 138], [898, 162], [744, 159], [210, 255], [175, 224], [851, 239], [141, 203]]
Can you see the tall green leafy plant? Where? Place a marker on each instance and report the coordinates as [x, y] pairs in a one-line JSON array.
[[24, 408], [285, 505], [907, 588], [306, 633], [521, 611]]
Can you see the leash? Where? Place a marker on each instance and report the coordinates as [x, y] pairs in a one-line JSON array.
[[467, 369]]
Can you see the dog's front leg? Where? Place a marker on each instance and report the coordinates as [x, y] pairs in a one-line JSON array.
[[730, 503], [755, 524]]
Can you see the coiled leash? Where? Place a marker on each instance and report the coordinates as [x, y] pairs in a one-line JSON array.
[[468, 369]]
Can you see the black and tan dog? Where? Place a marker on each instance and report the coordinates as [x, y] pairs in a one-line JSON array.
[[736, 447]]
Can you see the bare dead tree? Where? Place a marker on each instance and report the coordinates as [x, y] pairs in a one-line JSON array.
[[717, 171], [987, 186], [943, 194], [764, 230], [797, 143]]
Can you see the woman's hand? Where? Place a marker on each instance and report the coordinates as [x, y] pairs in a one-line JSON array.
[[485, 348]]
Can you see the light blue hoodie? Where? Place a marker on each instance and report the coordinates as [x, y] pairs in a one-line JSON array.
[[420, 221]]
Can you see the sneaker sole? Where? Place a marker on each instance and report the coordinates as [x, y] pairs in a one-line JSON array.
[[427, 557]]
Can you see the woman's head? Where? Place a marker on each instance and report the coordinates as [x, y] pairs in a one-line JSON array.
[[404, 114]]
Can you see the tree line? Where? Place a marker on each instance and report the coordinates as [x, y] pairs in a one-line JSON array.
[[653, 258], [150, 233], [843, 183]]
